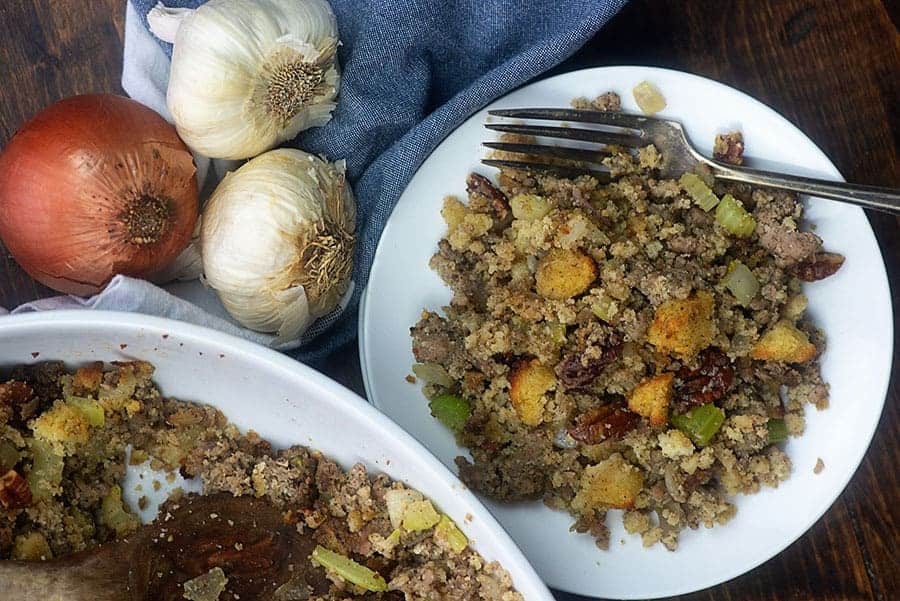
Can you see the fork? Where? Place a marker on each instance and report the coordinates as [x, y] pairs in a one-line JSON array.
[[678, 155]]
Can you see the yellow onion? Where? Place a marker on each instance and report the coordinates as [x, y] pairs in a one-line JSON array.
[[95, 186]]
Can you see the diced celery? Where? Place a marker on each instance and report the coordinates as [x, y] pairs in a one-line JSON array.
[[699, 191], [92, 410], [648, 98], [31, 546], [114, 515], [451, 410], [604, 308], [432, 373], [700, 424], [9, 456], [349, 570], [529, 207], [741, 282], [556, 331], [446, 532], [46, 469], [420, 515], [777, 431], [732, 216]]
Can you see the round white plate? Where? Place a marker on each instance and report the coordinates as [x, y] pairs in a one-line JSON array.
[[285, 401], [853, 307]]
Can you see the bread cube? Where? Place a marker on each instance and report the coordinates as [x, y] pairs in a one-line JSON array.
[[651, 398], [562, 274], [528, 384], [683, 327], [784, 342], [611, 483]]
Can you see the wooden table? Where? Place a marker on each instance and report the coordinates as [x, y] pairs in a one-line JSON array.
[[833, 68]]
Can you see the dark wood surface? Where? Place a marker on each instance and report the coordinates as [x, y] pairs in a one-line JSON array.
[[830, 67]]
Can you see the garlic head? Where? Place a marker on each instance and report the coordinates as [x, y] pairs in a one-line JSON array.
[[277, 241], [246, 76]]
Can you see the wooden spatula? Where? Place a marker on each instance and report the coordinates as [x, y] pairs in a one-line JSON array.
[[247, 538]]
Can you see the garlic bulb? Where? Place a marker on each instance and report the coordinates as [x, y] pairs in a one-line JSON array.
[[277, 241], [247, 76]]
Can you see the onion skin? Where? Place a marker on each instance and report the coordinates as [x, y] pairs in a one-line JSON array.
[[94, 186]]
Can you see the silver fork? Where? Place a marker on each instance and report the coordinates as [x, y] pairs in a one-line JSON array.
[[678, 155]]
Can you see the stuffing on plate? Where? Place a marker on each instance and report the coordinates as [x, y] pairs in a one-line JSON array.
[[639, 344], [63, 439]]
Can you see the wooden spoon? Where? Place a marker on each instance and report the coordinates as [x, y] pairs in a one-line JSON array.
[[247, 538]]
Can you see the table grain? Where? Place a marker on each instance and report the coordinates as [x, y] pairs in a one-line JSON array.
[[831, 67]]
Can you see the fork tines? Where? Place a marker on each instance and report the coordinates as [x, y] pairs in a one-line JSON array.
[[565, 160]]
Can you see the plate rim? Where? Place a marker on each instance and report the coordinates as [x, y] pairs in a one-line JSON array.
[[880, 276]]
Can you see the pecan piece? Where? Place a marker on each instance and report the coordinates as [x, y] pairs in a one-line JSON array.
[[818, 267], [575, 372], [479, 184], [13, 395], [706, 384], [14, 491], [607, 421], [729, 148]]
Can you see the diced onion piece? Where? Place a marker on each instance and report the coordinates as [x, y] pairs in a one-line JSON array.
[[451, 410], [529, 207], [741, 282], [648, 98], [699, 191], [732, 216], [447, 533], [432, 373], [700, 423], [420, 515], [349, 570], [397, 501]]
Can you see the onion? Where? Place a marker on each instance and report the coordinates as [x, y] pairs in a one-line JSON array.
[[95, 186]]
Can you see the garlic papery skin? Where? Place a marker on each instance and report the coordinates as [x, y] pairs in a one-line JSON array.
[[248, 75], [277, 241]]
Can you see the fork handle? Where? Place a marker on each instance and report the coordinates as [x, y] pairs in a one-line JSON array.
[[869, 197]]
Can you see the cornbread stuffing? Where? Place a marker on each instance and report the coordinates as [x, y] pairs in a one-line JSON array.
[[638, 345], [63, 439]]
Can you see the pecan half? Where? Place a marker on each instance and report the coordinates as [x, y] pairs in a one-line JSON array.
[[600, 423], [818, 267], [576, 372], [14, 491], [706, 384], [729, 148], [479, 184]]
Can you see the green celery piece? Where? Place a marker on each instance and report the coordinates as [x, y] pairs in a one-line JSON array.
[[777, 431], [92, 410], [451, 410], [699, 191], [701, 423], [448, 532], [349, 570], [732, 216]]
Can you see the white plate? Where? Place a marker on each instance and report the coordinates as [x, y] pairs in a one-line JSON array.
[[285, 401], [853, 307]]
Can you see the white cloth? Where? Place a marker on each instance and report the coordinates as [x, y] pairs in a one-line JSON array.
[[144, 77]]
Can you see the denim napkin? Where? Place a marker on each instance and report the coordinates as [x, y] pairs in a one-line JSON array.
[[412, 70]]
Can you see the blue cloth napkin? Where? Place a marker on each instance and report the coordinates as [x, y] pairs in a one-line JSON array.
[[412, 71]]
